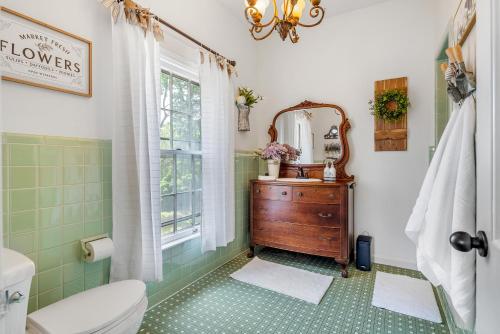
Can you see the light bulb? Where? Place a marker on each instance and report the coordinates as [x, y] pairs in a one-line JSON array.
[[260, 5], [297, 9]]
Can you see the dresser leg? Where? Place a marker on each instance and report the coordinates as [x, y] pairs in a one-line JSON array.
[[344, 271], [251, 252]]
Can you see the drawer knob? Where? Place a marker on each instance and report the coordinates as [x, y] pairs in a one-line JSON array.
[[300, 194], [257, 191], [325, 215], [284, 193], [331, 195]]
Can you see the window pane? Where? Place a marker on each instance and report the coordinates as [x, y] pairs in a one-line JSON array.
[[165, 134], [180, 94], [180, 130], [167, 208], [181, 126], [184, 172], [197, 202], [195, 99], [196, 129], [165, 90], [185, 224], [184, 208], [197, 172], [167, 174], [168, 229]]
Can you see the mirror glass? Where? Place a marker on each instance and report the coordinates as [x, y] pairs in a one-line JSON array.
[[315, 132]]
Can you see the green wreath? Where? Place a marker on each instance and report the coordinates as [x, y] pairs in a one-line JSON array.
[[391, 105]]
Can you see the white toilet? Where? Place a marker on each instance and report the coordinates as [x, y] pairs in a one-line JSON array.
[[115, 308]]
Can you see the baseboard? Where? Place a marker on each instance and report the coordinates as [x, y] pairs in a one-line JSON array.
[[396, 263]]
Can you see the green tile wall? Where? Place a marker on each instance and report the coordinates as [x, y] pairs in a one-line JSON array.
[[56, 192], [184, 263]]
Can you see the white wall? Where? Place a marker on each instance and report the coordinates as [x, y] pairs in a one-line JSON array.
[[338, 62], [39, 111]]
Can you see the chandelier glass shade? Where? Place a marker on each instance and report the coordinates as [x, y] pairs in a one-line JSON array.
[[286, 18]]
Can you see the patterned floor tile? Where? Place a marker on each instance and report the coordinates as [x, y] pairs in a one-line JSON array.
[[219, 304]]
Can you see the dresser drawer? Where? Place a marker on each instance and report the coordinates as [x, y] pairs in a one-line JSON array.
[[273, 193], [301, 213], [330, 195], [299, 236]]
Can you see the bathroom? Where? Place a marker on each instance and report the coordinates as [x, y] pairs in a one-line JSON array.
[[118, 221]]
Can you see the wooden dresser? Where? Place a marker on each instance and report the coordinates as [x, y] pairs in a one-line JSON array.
[[312, 218]]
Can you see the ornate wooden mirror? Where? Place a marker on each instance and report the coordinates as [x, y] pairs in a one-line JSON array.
[[318, 130]]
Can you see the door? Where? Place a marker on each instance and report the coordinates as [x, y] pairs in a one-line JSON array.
[[488, 165]]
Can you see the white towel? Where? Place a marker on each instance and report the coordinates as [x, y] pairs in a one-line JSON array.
[[446, 204]]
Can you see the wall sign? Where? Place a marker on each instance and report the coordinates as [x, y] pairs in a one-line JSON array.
[[37, 54]]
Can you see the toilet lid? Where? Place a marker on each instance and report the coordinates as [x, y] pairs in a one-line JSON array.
[[89, 311]]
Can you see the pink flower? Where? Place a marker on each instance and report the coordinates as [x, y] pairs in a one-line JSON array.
[[277, 151]]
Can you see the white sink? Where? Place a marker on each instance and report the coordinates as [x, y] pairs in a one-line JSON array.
[[298, 180]]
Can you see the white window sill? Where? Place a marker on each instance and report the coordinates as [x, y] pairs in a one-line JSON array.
[[174, 243]]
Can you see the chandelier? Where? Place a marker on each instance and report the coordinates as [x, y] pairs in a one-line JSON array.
[[285, 22]]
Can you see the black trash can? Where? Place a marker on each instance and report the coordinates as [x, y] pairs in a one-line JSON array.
[[363, 253]]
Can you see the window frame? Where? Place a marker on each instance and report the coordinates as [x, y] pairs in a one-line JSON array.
[[172, 153]]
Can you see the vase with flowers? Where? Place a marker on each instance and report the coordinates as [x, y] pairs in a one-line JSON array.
[[293, 154], [245, 101], [274, 153]]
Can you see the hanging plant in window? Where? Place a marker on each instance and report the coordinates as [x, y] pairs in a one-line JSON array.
[[390, 105]]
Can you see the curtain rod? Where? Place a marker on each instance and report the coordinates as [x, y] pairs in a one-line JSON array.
[[192, 39]]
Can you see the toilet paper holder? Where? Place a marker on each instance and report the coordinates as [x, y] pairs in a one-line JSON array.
[[86, 253]]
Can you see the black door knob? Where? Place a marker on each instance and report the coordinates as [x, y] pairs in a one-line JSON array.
[[463, 242]]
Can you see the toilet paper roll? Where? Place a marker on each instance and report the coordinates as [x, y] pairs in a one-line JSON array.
[[99, 249]]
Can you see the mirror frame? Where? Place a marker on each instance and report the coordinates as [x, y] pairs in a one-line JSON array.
[[316, 170]]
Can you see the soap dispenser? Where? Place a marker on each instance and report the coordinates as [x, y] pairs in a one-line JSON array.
[[329, 173]]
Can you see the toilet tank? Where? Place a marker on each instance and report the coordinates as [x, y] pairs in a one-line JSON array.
[[17, 273]]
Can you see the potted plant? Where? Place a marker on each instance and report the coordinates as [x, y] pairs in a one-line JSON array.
[[245, 101]]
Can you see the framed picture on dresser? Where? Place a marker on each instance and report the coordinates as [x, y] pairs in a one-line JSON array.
[[37, 54]]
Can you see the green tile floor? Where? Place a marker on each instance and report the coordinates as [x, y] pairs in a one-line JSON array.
[[218, 304]]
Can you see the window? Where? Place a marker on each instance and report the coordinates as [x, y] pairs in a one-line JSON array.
[[180, 134]]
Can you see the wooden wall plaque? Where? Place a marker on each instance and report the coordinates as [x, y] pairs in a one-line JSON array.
[[391, 135]]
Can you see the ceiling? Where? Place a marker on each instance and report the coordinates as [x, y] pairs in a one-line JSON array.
[[332, 7]]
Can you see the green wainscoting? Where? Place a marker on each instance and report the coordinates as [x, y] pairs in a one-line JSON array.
[[184, 263], [56, 192]]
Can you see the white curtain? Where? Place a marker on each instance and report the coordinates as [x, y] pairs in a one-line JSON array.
[[218, 109], [303, 137], [447, 204], [286, 128], [136, 155]]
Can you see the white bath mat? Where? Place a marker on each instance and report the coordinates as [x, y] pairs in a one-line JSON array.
[[298, 283], [406, 295]]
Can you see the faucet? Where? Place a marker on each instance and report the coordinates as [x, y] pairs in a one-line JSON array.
[[301, 174]]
